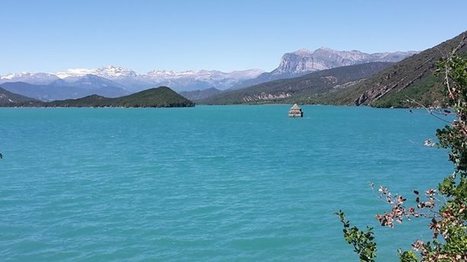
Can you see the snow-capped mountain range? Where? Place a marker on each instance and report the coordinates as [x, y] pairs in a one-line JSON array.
[[32, 78], [181, 81], [118, 80]]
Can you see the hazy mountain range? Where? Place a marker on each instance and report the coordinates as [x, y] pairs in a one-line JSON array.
[[72, 87], [114, 81], [131, 81]]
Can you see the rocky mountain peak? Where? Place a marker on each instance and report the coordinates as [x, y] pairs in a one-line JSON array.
[[305, 61], [301, 52]]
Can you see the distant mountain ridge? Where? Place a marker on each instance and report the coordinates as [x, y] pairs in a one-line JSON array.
[[292, 64], [304, 61], [198, 95]]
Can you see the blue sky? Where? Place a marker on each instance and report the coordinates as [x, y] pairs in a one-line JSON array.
[[53, 35]]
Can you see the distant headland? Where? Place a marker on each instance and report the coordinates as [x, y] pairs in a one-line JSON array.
[[155, 97]]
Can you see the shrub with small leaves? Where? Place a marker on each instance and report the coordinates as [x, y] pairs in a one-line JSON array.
[[408, 256]]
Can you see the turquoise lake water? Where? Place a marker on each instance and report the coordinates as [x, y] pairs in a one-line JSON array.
[[210, 183]]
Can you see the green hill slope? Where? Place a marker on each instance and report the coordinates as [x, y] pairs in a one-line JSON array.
[[304, 89], [410, 80], [154, 97]]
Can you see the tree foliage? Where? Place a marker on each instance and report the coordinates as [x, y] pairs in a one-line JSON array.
[[447, 217], [363, 241]]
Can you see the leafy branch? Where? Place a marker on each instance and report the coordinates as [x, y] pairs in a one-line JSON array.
[[363, 241]]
